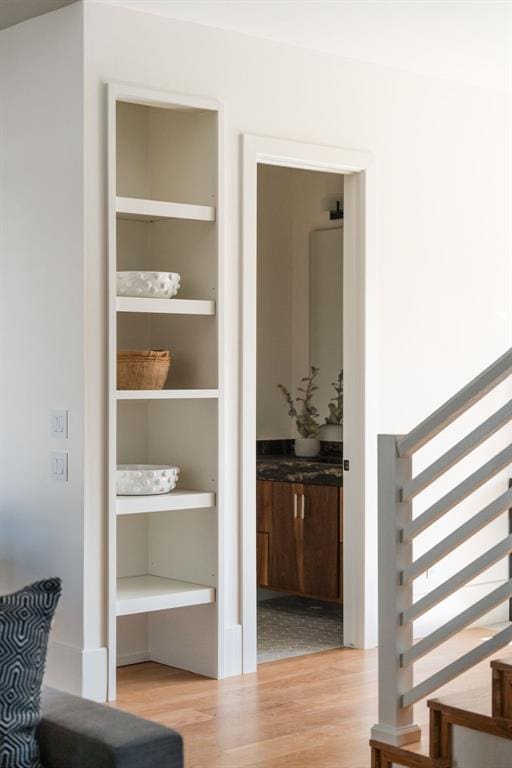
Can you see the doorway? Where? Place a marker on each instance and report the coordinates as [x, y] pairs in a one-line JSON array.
[[359, 450], [299, 498]]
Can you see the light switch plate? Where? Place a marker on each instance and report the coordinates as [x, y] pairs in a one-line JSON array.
[[59, 423], [59, 466]]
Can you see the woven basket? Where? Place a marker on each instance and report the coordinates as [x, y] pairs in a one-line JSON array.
[[142, 368]]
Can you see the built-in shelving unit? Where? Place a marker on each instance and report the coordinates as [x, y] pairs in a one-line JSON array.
[[165, 306], [164, 216], [143, 594]]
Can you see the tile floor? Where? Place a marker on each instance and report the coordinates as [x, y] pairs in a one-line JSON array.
[[295, 626]]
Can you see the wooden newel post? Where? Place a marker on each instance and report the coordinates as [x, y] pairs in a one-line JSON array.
[[395, 724]]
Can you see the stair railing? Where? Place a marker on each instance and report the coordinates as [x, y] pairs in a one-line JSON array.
[[397, 570]]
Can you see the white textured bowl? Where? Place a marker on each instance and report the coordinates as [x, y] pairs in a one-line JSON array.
[[145, 479], [148, 285]]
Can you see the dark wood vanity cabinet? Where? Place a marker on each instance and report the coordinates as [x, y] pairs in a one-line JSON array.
[[320, 535], [285, 539], [299, 540]]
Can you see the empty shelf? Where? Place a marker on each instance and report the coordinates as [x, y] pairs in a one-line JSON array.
[[166, 394], [155, 210], [165, 306], [142, 594], [166, 502]]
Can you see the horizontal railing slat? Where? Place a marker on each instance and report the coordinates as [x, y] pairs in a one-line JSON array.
[[458, 494], [459, 622], [457, 537], [456, 405], [457, 452], [457, 667], [457, 581]]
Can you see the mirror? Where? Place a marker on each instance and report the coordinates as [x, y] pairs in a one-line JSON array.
[[326, 311]]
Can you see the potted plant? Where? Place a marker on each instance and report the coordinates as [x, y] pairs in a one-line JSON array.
[[305, 414], [333, 427]]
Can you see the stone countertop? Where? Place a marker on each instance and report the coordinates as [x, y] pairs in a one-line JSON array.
[[291, 469]]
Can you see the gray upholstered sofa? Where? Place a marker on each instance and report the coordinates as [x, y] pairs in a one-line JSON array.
[[76, 733]]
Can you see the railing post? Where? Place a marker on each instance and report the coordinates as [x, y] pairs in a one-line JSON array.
[[395, 724]]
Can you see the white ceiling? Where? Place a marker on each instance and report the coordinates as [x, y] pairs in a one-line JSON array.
[[467, 40]]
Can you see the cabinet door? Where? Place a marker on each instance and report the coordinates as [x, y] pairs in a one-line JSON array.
[[263, 503], [262, 558], [285, 538], [321, 575]]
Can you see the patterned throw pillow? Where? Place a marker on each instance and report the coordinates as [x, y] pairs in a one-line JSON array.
[[25, 620]]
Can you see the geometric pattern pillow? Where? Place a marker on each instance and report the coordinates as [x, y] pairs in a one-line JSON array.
[[25, 621]]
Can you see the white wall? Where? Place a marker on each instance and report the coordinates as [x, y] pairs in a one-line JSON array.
[[291, 204], [442, 158], [42, 332], [275, 302]]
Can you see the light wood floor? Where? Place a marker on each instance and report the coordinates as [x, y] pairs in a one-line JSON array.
[[312, 711]]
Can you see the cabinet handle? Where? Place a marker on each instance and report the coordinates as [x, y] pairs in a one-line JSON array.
[[295, 505], [303, 508]]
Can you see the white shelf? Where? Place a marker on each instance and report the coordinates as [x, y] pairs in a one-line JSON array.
[[167, 394], [165, 306], [166, 502], [155, 210], [142, 594]]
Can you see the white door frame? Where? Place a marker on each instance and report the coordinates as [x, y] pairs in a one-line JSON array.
[[360, 386]]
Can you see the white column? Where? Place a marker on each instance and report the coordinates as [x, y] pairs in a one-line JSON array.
[[395, 724]]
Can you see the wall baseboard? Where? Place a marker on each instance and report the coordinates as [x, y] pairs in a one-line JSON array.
[[134, 657], [77, 671]]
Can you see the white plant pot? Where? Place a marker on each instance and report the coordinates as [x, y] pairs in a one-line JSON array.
[[332, 433], [307, 447]]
